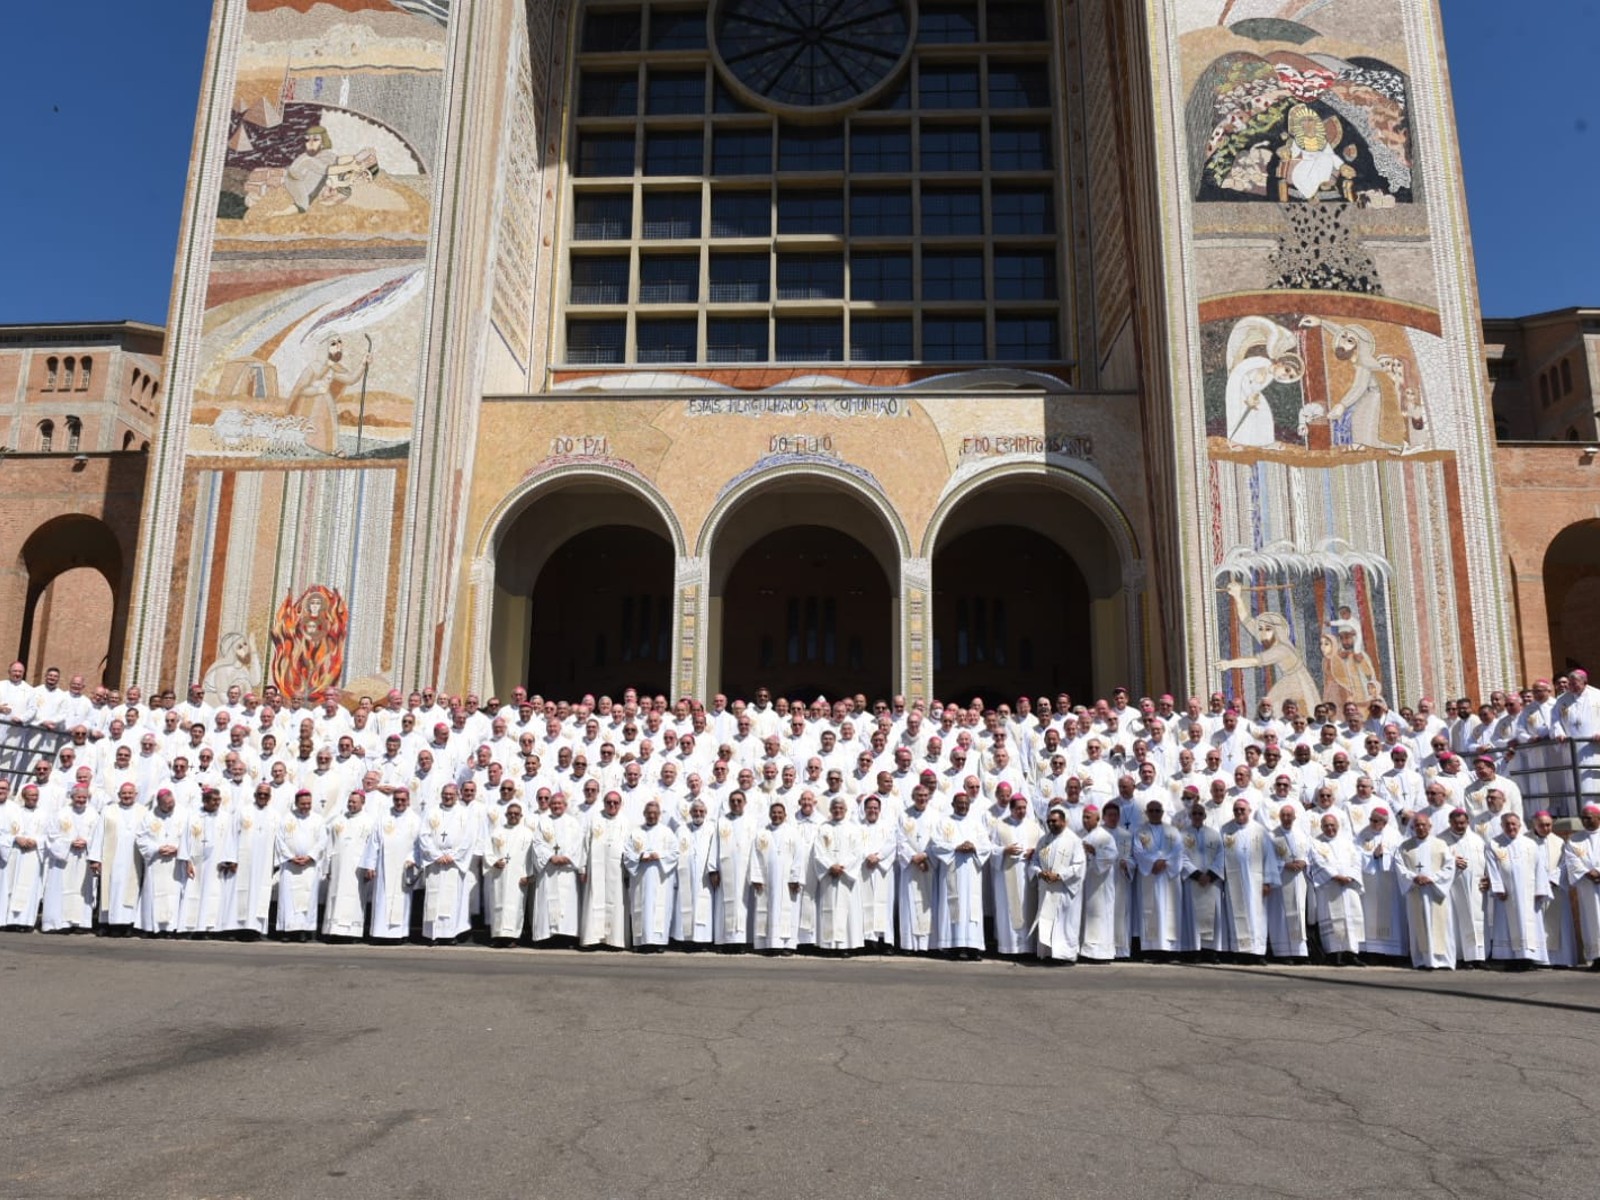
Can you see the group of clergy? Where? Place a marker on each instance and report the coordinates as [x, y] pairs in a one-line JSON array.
[[1044, 830]]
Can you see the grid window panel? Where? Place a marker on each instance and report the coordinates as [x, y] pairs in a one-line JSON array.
[[665, 339], [671, 215], [952, 275], [1018, 22], [1031, 337], [877, 149], [604, 154], [897, 96], [1019, 147], [741, 214], [674, 152], [811, 212], [609, 32], [952, 339], [596, 342], [608, 94], [880, 339], [669, 92], [599, 279], [802, 148], [880, 213], [1023, 210], [954, 86], [740, 278], [669, 279], [741, 152], [810, 339], [677, 29], [601, 216], [951, 148], [876, 275], [948, 211], [1024, 275], [736, 339], [947, 23], [1019, 85], [724, 101], [810, 277]]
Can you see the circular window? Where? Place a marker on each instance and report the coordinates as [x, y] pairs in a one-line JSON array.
[[816, 55]]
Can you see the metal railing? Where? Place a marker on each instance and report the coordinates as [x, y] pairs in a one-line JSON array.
[[1554, 776], [22, 746]]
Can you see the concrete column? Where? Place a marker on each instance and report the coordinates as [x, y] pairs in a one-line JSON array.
[[914, 620], [691, 628]]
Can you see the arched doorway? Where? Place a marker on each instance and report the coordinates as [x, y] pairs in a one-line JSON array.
[[1010, 616], [1029, 590], [73, 614], [1572, 596], [804, 586], [583, 584]]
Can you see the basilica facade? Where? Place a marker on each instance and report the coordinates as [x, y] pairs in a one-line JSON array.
[[933, 348]]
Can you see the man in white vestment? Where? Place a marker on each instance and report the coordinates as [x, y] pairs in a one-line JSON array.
[[695, 899], [806, 822], [114, 859], [1102, 878], [960, 846], [1289, 902], [1468, 895], [1560, 936], [836, 865], [1058, 868], [1519, 888], [300, 853], [389, 865], [603, 919], [22, 838], [915, 891], [879, 843], [211, 833], [778, 868], [163, 844], [1580, 862], [349, 891], [733, 917], [249, 880], [68, 882], [446, 845], [1015, 898], [1250, 872], [1202, 869], [650, 857], [508, 870], [1381, 909], [560, 858], [1424, 867], [1337, 879], [1157, 854]]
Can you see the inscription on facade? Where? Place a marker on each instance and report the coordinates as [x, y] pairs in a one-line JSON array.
[[580, 446], [801, 443], [798, 406], [1064, 445]]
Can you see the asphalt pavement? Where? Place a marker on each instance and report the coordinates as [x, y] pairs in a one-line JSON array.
[[189, 1069]]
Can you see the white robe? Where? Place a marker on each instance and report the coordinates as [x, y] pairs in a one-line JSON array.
[[1519, 871], [348, 894], [1468, 902], [777, 859], [1102, 877], [1289, 904], [22, 876], [210, 845], [447, 832], [652, 883], [1129, 899], [161, 893], [915, 891], [878, 839], [391, 848], [505, 888], [557, 894], [806, 830], [733, 918], [1340, 919], [959, 891], [68, 883], [838, 843], [1580, 861], [604, 919], [114, 848], [1429, 926], [247, 893], [1250, 866], [1380, 893], [300, 887], [1161, 893], [1015, 898], [695, 902], [1058, 903], [1560, 938], [1202, 901]]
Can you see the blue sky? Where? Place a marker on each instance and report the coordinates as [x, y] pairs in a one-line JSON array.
[[102, 97]]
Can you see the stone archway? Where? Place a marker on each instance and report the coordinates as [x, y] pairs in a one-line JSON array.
[[1571, 591], [66, 613]]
